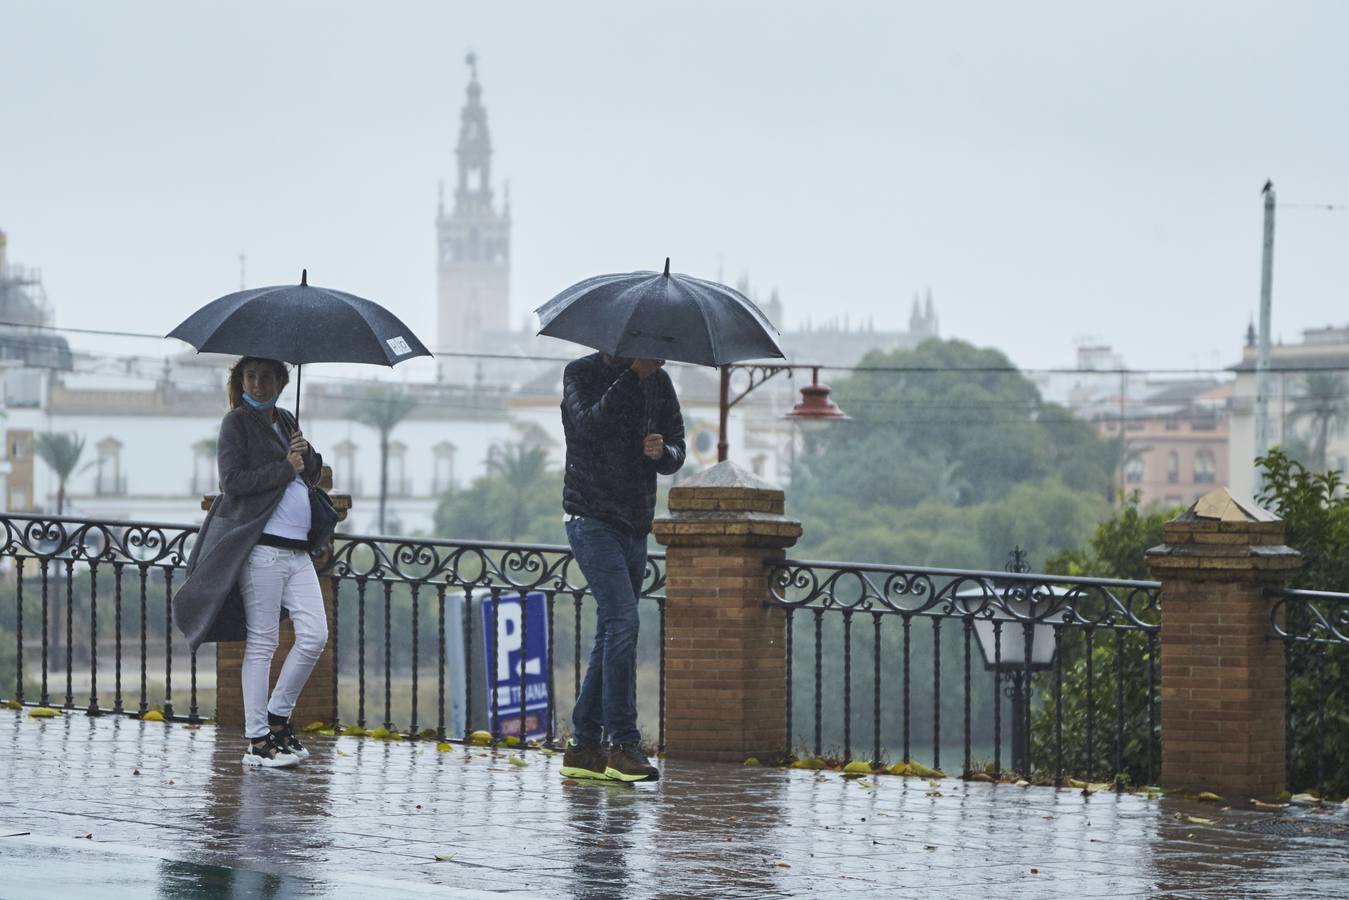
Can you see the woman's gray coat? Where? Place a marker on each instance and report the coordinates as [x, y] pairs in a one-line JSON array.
[[253, 477]]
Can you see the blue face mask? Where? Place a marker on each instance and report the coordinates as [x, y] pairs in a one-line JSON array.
[[260, 404]]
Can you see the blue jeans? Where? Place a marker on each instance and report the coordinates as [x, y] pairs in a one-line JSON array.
[[614, 564]]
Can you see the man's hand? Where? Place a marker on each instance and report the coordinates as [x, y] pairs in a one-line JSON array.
[[653, 447], [646, 367]]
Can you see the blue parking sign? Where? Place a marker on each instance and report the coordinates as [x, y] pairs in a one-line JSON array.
[[523, 642]]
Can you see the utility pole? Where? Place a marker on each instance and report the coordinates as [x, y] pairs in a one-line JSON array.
[[1262, 346]]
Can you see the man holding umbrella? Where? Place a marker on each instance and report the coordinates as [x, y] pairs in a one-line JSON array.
[[623, 427]]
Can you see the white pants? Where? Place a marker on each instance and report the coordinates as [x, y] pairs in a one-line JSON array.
[[274, 578]]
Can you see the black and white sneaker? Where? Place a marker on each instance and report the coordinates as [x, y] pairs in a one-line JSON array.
[[270, 753], [285, 736]]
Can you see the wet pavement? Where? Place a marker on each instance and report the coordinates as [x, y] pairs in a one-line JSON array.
[[120, 808]]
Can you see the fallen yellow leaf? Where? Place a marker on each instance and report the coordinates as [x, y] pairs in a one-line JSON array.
[[43, 712], [922, 771]]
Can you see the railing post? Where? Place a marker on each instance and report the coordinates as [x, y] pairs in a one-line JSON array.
[[1222, 676], [316, 701], [725, 657]]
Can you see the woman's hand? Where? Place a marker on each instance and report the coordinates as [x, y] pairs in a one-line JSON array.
[[298, 448]]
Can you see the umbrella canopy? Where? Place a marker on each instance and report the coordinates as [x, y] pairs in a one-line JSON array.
[[655, 315], [301, 323]]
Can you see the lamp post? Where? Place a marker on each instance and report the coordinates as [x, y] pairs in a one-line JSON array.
[[814, 407], [1029, 606]]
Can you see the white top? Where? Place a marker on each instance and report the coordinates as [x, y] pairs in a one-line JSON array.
[[291, 517]]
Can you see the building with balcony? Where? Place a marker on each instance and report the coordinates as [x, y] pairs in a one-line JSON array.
[[1308, 403]]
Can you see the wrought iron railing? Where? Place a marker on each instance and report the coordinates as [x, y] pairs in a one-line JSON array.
[[64, 570], [1031, 630], [475, 570], [1314, 629]]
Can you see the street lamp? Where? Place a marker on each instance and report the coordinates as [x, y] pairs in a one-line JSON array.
[[1026, 647], [815, 407]]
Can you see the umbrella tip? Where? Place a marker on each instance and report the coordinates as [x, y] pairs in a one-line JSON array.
[[667, 267], [304, 277]]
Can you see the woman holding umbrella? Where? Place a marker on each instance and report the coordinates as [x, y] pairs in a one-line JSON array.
[[251, 558]]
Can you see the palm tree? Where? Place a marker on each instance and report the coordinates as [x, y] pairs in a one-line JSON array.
[[522, 470], [1325, 403], [61, 452], [382, 408], [951, 484]]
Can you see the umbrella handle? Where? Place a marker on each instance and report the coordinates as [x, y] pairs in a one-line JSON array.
[[297, 395]]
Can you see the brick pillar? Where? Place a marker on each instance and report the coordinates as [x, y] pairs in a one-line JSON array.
[[1222, 688], [725, 650], [316, 700]]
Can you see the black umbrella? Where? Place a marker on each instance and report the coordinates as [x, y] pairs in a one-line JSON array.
[[655, 315], [300, 323]]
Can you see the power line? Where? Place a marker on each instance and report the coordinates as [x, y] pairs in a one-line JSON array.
[[829, 367], [1324, 207]]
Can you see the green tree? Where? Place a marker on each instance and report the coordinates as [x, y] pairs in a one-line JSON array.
[[1115, 550], [1315, 512], [382, 408], [61, 452], [519, 498], [948, 464], [523, 472], [1324, 404]]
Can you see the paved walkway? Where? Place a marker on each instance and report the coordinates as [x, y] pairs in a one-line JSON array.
[[121, 808]]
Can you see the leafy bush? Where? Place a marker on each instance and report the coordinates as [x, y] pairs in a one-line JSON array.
[[1316, 523]]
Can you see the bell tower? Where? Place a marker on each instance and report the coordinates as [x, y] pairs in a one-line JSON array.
[[472, 241]]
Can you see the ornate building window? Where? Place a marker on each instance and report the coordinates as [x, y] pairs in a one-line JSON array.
[[1205, 467], [442, 467], [1133, 470], [1173, 467], [108, 477], [345, 478]]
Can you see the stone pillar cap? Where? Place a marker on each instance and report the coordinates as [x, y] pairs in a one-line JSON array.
[[725, 505], [1220, 505], [727, 475]]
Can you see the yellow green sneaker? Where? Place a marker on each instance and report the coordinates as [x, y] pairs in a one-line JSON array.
[[580, 761], [627, 762]]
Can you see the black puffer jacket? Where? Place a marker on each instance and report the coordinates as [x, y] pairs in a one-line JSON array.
[[607, 411]]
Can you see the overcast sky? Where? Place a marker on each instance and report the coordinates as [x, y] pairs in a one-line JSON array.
[[1050, 170]]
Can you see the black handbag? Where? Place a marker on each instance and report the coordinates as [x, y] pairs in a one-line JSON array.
[[322, 519]]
